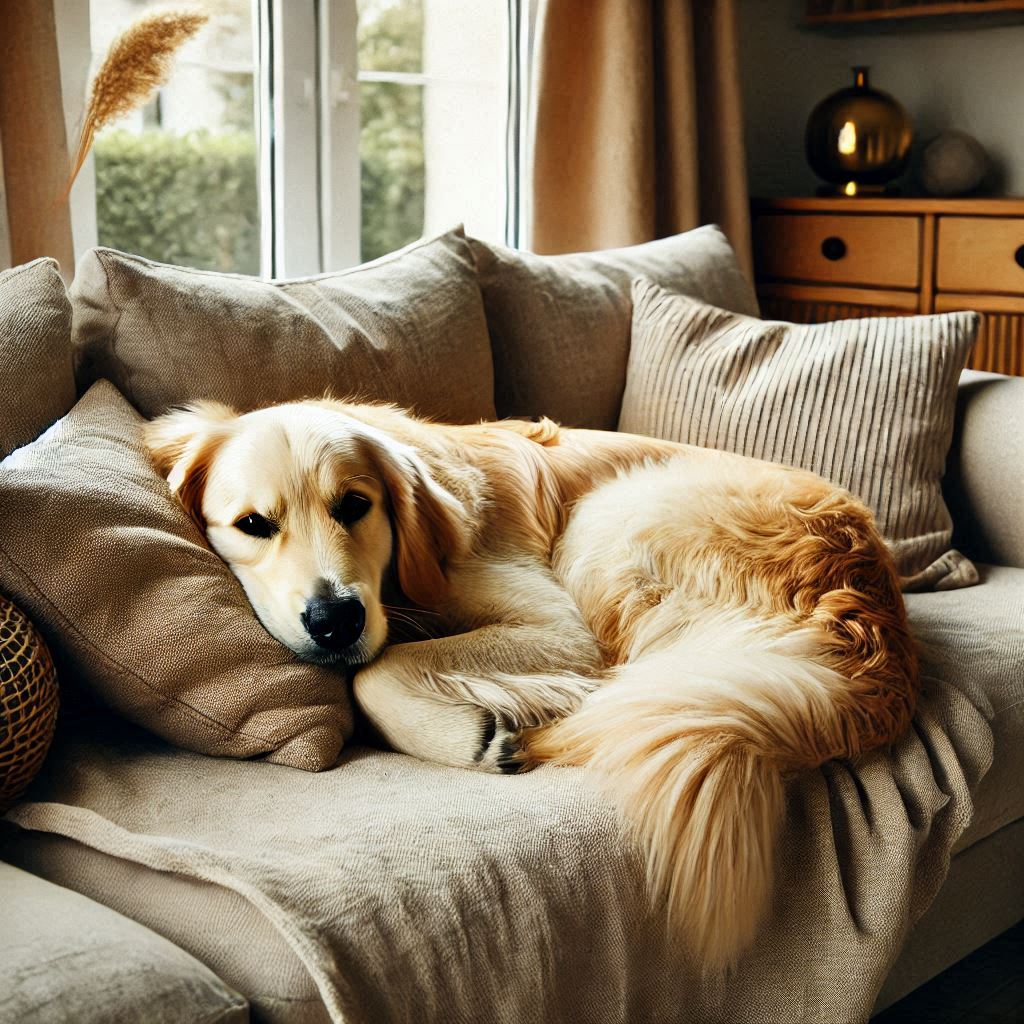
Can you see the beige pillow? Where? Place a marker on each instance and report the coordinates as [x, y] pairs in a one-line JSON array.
[[867, 404], [408, 328], [37, 384], [560, 324], [135, 606]]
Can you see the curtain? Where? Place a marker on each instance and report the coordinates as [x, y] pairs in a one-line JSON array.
[[33, 144], [637, 124]]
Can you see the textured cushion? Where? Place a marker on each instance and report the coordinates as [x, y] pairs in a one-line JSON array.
[[37, 384], [133, 604], [67, 960], [867, 404], [560, 324], [408, 328], [985, 482]]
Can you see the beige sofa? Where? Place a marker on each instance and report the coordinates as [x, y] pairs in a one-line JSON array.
[[386, 889]]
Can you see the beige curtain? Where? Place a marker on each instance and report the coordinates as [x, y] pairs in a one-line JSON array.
[[32, 138], [638, 127]]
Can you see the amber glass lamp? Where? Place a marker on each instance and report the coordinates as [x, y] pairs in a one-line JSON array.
[[858, 139]]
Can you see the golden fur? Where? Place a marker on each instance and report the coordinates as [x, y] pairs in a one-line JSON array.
[[693, 627]]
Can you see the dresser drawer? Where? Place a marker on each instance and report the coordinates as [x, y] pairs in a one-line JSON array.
[[980, 254], [852, 249]]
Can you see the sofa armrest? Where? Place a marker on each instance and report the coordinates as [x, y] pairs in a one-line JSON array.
[[984, 482]]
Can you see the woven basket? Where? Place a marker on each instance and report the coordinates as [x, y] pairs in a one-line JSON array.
[[28, 702]]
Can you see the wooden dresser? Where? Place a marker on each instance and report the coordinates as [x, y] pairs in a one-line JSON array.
[[834, 258]]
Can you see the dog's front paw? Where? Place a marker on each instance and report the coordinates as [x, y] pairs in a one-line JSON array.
[[500, 748]]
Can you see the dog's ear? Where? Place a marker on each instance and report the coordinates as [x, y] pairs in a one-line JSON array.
[[431, 525], [182, 444]]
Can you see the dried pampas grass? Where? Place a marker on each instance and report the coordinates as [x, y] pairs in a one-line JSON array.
[[138, 62]]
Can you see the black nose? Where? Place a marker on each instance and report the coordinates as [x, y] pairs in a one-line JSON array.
[[335, 623]]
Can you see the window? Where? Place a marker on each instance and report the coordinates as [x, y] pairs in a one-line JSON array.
[[297, 136], [178, 180]]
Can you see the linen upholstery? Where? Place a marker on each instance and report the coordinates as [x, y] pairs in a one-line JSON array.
[[867, 404], [982, 896], [135, 606], [985, 480], [560, 325], [403, 902], [216, 925], [67, 960], [37, 383], [408, 328]]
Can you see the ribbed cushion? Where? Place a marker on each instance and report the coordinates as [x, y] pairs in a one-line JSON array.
[[867, 404]]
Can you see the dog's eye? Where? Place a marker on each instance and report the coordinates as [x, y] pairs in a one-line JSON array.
[[351, 508], [256, 525]]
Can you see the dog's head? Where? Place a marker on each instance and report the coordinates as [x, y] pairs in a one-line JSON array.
[[309, 507]]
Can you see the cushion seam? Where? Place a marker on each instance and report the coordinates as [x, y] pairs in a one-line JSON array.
[[103, 252]]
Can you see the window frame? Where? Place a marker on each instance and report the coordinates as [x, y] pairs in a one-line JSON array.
[[307, 122]]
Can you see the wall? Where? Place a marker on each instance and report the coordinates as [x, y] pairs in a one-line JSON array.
[[954, 76]]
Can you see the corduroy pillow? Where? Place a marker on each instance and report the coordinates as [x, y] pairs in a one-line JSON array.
[[560, 324], [867, 404], [37, 383], [408, 328], [134, 605]]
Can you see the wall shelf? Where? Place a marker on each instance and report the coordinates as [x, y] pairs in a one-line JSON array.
[[845, 12]]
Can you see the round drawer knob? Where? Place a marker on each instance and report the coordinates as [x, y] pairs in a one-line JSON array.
[[834, 248], [1019, 257]]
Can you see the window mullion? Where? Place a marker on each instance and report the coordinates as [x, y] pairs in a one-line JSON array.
[[294, 110], [340, 200]]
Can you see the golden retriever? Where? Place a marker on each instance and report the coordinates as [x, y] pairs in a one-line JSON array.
[[691, 626]]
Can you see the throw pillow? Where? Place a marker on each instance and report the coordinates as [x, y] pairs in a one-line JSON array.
[[134, 605], [408, 328], [867, 404], [560, 324], [37, 384]]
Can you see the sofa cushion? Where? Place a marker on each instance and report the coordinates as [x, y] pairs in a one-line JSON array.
[[134, 605], [67, 960], [216, 925], [560, 325], [412, 890], [408, 328], [973, 639], [985, 479], [867, 404], [37, 384]]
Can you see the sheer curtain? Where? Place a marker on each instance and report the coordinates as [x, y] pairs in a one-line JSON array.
[[33, 144], [637, 124]]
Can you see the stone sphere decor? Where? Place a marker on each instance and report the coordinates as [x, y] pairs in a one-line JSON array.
[[953, 164]]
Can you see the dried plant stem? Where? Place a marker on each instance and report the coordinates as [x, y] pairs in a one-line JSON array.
[[138, 62]]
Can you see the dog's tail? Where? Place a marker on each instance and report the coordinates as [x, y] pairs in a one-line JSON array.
[[694, 741]]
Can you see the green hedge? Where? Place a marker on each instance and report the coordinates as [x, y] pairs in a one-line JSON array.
[[191, 200]]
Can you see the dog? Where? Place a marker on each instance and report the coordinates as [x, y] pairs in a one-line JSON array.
[[692, 627]]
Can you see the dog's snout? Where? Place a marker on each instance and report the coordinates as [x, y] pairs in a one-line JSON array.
[[335, 623]]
